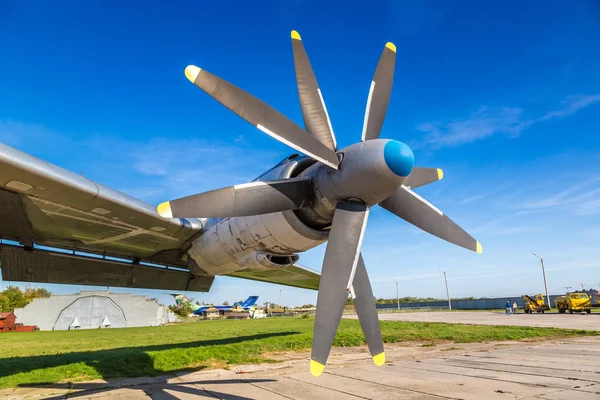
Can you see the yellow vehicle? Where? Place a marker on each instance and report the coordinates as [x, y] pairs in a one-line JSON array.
[[535, 303], [574, 302]]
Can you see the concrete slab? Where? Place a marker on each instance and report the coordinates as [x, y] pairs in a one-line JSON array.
[[239, 389], [519, 369], [562, 369], [366, 390], [175, 391], [550, 320]]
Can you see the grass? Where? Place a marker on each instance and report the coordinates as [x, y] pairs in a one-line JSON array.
[[49, 357]]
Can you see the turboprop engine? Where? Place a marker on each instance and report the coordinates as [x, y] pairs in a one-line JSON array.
[[336, 192]]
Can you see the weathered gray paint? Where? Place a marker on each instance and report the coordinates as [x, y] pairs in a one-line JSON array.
[[380, 98], [365, 308], [412, 209], [313, 106], [39, 265], [343, 247], [257, 113], [244, 200]]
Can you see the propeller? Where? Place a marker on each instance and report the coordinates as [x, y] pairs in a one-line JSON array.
[[261, 115], [336, 192], [412, 208], [242, 200], [379, 93], [316, 118]]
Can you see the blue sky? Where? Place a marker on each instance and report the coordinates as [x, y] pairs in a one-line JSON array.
[[504, 97]]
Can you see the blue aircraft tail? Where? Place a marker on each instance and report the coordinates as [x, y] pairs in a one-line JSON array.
[[250, 301]]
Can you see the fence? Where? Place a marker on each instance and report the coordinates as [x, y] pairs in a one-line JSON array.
[[478, 304]]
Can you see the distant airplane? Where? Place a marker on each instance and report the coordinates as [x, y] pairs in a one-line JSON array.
[[253, 230], [201, 310]]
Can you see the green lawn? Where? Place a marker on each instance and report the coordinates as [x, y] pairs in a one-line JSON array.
[[48, 357]]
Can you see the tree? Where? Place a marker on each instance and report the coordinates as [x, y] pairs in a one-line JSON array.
[[4, 303], [13, 297], [183, 309], [31, 293]]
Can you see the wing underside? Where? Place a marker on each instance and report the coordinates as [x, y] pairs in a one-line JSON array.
[[294, 275], [44, 205]]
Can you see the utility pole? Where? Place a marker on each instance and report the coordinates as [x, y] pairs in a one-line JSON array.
[[279, 297], [545, 283], [397, 294], [447, 291]]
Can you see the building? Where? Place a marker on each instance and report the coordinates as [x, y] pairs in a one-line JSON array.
[[7, 322], [93, 309]]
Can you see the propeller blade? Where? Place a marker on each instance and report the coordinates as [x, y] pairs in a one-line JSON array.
[[339, 265], [316, 118], [423, 176], [412, 208], [261, 115], [367, 312], [242, 200], [379, 93]]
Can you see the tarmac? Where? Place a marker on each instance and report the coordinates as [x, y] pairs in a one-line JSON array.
[[551, 320], [565, 369]]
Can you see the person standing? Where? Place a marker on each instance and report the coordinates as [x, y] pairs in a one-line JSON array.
[[508, 307], [514, 307]]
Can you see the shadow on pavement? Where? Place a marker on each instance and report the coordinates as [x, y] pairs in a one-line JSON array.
[[160, 389]]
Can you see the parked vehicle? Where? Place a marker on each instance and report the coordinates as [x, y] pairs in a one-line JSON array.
[[535, 303], [578, 301]]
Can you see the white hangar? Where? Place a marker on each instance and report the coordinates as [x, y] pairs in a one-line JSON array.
[[93, 309]]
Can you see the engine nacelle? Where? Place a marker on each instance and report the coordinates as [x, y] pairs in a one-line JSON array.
[[264, 260], [259, 241]]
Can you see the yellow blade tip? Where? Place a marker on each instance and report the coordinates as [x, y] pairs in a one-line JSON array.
[[479, 248], [316, 368], [440, 174], [379, 359], [296, 35], [191, 72], [391, 46], [164, 210]]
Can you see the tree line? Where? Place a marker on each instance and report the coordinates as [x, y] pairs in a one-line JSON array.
[[13, 297]]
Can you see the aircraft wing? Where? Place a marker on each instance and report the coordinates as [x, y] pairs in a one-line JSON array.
[[295, 275], [44, 204]]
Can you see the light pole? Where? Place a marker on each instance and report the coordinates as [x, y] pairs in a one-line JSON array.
[[447, 291], [397, 294], [279, 297], [545, 283]]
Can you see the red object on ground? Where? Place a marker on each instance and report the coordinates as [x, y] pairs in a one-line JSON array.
[[7, 322], [26, 328]]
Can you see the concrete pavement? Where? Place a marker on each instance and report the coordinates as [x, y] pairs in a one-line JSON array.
[[552, 370], [550, 320]]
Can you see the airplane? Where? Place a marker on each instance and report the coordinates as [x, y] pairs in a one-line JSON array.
[[65, 228], [201, 310]]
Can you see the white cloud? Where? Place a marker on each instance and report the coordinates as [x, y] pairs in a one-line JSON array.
[[480, 125], [572, 105], [15, 133], [490, 121], [581, 198]]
